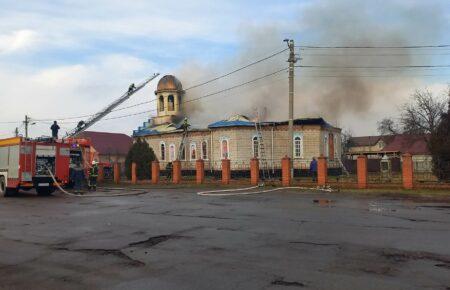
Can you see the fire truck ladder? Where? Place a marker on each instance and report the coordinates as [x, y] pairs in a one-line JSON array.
[[83, 125], [262, 152]]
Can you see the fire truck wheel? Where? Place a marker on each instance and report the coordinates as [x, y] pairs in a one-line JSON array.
[[43, 191]]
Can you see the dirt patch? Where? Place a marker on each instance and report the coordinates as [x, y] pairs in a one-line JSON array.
[[282, 282], [152, 241], [103, 252], [404, 256]]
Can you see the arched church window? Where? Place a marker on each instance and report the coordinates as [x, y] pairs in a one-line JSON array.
[[163, 151], [183, 152], [171, 103], [204, 150], [161, 103], [193, 152], [297, 147], [172, 152], [225, 149], [255, 145]]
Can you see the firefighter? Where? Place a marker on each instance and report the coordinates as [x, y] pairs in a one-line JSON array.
[[131, 88], [93, 174], [185, 125], [55, 128], [169, 167]]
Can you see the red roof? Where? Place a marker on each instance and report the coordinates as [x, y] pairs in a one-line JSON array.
[[370, 140], [109, 143], [405, 143]]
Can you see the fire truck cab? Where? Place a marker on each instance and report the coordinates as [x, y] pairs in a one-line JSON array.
[[25, 164]]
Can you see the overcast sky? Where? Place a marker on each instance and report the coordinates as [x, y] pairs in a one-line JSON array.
[[60, 59]]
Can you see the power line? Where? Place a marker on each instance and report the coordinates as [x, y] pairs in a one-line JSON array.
[[372, 76], [236, 70], [202, 97], [375, 67], [376, 54], [375, 47]]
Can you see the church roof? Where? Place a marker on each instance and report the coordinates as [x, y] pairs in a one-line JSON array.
[[169, 83], [234, 121]]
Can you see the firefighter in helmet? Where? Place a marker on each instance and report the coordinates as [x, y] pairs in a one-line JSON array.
[[93, 174]]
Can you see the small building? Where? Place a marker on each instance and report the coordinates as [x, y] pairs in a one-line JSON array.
[[234, 138], [393, 146], [109, 147]]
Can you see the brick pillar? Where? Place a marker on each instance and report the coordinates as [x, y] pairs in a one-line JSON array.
[[116, 173], [176, 171], [101, 174], [226, 171], [286, 171], [155, 172], [407, 171], [254, 171], [200, 171], [322, 171], [361, 168], [133, 173]]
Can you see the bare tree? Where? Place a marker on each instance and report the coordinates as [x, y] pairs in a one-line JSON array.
[[423, 113], [346, 139], [387, 126]]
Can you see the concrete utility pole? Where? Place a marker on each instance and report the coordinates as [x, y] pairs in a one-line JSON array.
[[292, 60], [26, 123]]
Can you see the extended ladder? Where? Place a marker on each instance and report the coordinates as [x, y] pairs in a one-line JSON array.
[[262, 151], [183, 145], [83, 125]]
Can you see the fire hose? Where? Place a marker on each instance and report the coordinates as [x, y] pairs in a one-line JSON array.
[[92, 195], [237, 191]]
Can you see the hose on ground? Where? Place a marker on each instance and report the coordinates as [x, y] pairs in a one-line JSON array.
[[92, 195], [237, 191]]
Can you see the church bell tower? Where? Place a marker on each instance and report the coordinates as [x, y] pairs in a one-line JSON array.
[[168, 97]]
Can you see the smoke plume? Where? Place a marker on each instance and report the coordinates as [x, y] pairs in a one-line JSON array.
[[340, 95]]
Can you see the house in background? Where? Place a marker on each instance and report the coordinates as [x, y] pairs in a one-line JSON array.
[[109, 147], [393, 146]]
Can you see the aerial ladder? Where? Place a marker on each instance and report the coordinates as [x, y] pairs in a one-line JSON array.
[[182, 147], [264, 166], [84, 125]]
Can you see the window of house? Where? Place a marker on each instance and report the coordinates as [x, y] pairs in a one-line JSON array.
[[170, 103], [224, 149], [161, 103], [183, 152], [255, 145], [172, 152], [162, 151], [193, 151], [297, 147], [204, 150]]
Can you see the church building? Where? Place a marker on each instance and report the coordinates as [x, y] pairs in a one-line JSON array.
[[235, 138]]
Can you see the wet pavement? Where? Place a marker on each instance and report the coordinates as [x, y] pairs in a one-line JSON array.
[[174, 239]]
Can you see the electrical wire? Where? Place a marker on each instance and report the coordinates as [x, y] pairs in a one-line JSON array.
[[198, 98], [236, 70], [375, 67], [375, 47]]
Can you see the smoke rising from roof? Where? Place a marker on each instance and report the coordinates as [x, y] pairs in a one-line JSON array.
[[318, 92]]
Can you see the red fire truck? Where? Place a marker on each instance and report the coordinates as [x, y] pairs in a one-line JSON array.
[[24, 164]]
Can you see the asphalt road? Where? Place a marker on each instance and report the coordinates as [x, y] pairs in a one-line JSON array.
[[174, 239]]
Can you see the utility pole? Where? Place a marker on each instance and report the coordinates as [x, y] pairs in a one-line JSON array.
[[292, 60], [16, 132], [26, 123]]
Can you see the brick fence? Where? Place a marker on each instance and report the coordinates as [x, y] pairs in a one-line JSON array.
[[362, 181]]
